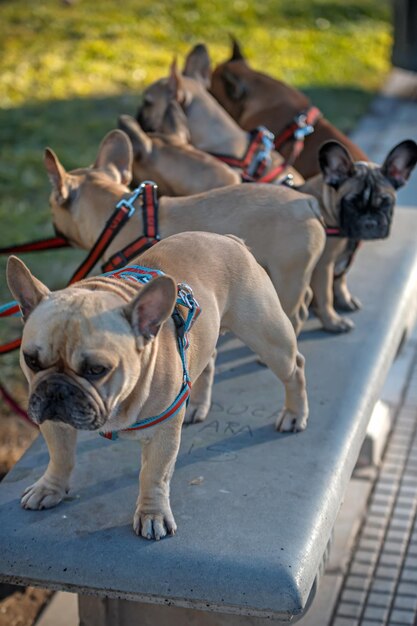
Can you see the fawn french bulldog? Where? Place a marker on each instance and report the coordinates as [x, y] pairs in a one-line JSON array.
[[103, 353]]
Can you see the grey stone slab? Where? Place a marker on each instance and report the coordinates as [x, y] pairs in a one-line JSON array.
[[379, 599], [409, 575], [376, 613], [252, 535], [383, 585], [407, 603], [345, 621], [349, 609], [402, 618]]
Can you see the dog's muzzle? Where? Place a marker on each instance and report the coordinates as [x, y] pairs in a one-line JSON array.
[[369, 228], [60, 400], [143, 122]]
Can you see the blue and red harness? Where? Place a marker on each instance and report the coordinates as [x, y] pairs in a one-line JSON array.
[[185, 299]]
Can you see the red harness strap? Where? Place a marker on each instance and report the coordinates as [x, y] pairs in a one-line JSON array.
[[150, 231], [256, 158], [302, 125], [51, 243], [122, 213], [258, 154]]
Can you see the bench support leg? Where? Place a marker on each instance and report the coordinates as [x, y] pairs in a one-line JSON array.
[[95, 611]]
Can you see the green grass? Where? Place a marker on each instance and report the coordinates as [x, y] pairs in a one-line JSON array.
[[67, 71]]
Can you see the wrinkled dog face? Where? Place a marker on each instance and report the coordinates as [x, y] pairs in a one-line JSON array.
[[77, 359], [367, 206], [85, 349], [365, 192]]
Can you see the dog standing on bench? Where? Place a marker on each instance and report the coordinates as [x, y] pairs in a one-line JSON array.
[[282, 227], [103, 354]]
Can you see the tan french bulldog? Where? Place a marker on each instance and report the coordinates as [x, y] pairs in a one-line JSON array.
[[169, 159], [103, 353], [282, 227]]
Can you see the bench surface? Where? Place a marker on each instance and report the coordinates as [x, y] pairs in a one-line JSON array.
[[255, 509]]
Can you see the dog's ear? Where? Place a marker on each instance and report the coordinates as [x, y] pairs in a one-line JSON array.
[[26, 289], [336, 163], [141, 143], [151, 308], [235, 86], [57, 175], [116, 156], [237, 54], [400, 162], [176, 85], [198, 65]]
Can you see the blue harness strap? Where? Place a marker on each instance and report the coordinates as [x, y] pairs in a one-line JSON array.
[[185, 298]]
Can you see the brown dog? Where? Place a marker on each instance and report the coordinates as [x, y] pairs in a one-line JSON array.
[[103, 354], [282, 227], [171, 161], [253, 98]]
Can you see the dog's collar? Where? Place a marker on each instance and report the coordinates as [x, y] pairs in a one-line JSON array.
[[185, 298]]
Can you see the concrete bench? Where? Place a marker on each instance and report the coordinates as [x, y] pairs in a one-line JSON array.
[[255, 509]]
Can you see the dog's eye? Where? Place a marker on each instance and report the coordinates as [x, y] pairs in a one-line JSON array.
[[95, 371], [32, 362]]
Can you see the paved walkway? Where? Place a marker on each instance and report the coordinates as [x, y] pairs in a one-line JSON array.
[[375, 583]]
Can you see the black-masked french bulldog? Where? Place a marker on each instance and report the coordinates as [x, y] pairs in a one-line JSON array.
[[357, 200], [103, 354]]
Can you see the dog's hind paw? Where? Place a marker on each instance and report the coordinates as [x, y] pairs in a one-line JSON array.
[[196, 413], [42, 495], [289, 422], [154, 525]]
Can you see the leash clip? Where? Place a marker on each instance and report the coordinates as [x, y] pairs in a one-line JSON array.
[[128, 203], [185, 293], [303, 129]]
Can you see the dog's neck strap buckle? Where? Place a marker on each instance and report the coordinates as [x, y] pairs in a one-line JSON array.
[[301, 126], [185, 299], [257, 157], [147, 193]]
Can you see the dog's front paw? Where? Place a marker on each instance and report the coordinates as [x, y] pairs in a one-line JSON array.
[[44, 494], [338, 324], [350, 304], [196, 412], [290, 422], [154, 525]]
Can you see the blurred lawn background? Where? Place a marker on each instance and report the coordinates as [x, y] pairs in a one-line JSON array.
[[68, 69]]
